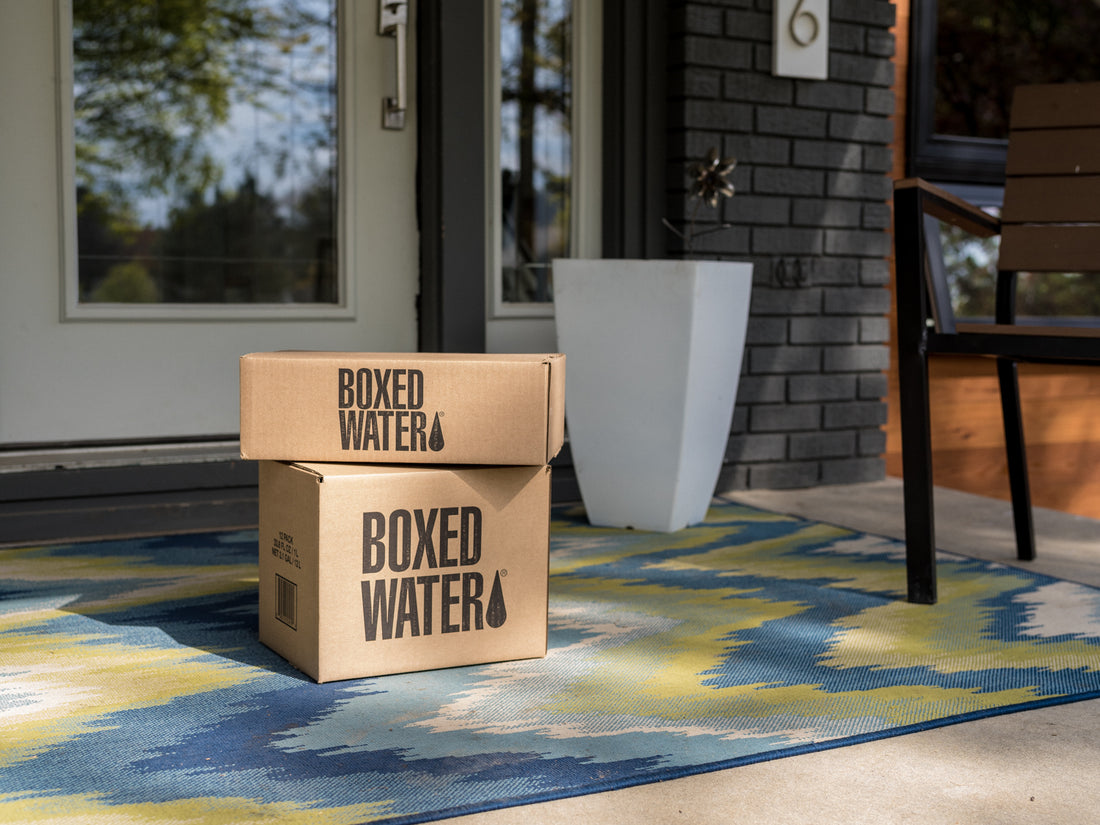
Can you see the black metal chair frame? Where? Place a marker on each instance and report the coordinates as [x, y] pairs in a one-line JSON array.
[[925, 328]]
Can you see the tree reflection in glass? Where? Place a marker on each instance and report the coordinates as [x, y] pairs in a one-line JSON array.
[[535, 143], [205, 142], [986, 48]]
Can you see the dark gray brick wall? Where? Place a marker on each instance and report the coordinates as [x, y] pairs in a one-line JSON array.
[[811, 212]]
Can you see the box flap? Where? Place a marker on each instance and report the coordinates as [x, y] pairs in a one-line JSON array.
[[555, 411]]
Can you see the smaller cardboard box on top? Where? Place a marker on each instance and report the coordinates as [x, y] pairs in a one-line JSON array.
[[415, 408], [374, 569]]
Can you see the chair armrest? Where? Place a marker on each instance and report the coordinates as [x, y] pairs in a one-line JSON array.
[[952, 209]]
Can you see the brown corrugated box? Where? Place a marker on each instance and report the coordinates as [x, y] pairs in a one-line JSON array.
[[422, 408], [373, 569]]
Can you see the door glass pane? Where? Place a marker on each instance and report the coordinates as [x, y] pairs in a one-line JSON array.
[[535, 144], [205, 138], [986, 48]]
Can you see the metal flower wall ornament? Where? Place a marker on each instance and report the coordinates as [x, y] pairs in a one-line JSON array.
[[709, 185]]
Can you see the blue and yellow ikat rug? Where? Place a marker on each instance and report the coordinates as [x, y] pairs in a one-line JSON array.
[[133, 688]]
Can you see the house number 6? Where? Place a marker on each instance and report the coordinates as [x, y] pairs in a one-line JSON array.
[[793, 25], [800, 39]]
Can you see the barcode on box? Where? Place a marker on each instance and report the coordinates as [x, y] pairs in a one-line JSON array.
[[286, 601]]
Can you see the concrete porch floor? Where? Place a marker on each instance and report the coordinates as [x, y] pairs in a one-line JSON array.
[[1035, 767]]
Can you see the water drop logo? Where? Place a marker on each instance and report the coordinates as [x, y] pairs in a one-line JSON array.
[[496, 614], [435, 438]]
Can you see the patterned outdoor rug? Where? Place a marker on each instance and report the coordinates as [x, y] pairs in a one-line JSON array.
[[133, 688]]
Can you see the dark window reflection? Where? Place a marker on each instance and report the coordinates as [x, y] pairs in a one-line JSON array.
[[205, 136], [535, 143], [986, 48]]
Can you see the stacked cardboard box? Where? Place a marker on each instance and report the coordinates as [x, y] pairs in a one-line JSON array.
[[404, 506]]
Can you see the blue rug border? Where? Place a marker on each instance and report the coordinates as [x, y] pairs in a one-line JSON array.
[[670, 774]]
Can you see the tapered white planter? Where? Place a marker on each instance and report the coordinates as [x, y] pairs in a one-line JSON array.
[[653, 355]]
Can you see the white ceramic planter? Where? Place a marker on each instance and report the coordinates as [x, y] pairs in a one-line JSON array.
[[653, 355]]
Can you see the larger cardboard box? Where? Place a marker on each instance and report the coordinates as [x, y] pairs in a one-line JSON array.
[[419, 408], [373, 569]]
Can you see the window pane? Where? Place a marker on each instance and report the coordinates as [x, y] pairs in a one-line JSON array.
[[971, 266], [986, 48], [205, 136], [535, 143]]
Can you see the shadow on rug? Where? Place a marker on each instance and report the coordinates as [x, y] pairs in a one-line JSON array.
[[132, 684]]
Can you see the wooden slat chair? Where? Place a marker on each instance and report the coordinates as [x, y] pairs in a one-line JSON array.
[[1050, 222]]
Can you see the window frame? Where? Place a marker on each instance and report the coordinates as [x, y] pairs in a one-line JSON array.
[[941, 158]]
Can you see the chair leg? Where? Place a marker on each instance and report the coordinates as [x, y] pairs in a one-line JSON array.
[[913, 315], [916, 456], [1017, 459]]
